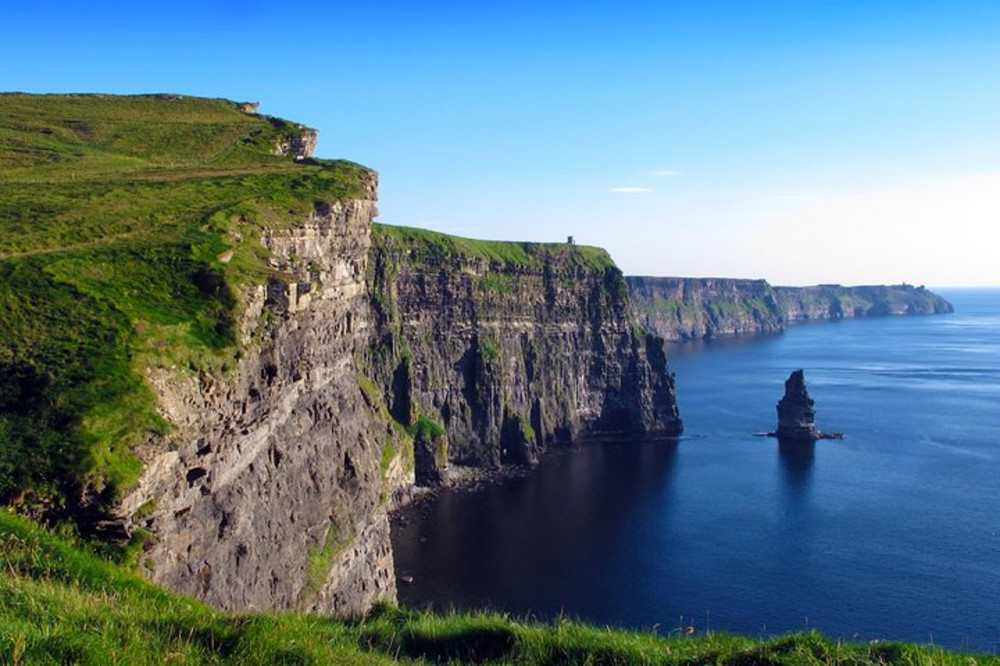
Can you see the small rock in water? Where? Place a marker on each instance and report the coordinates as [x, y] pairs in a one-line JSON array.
[[796, 415]]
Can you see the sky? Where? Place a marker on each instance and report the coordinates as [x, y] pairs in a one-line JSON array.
[[852, 142]]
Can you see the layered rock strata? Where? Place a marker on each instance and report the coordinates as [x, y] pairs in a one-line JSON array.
[[703, 308], [796, 411], [271, 492], [510, 348], [825, 302], [681, 309]]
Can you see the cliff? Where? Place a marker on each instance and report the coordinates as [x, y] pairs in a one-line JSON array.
[[270, 492], [211, 361], [702, 308], [183, 305], [509, 347], [836, 302]]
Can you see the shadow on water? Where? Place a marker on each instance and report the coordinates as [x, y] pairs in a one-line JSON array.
[[797, 459], [694, 347], [524, 544]]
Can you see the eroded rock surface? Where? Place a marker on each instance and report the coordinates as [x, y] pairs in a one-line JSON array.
[[270, 494], [680, 309], [512, 354], [796, 411]]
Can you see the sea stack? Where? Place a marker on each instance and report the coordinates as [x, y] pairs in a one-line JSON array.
[[796, 415]]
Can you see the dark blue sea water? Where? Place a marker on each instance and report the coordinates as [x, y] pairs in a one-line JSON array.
[[892, 533]]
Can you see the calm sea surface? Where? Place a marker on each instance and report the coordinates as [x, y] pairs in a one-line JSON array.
[[891, 533]]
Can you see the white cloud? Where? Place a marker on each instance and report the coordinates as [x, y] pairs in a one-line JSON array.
[[631, 190], [665, 173]]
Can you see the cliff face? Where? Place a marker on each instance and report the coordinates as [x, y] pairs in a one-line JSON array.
[[702, 308], [836, 302], [270, 493], [203, 348], [509, 347]]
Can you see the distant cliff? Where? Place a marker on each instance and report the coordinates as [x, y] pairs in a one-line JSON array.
[[702, 308], [509, 347], [836, 302]]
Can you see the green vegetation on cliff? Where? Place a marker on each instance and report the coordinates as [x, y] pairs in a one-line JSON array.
[[60, 604], [435, 247], [488, 338], [703, 308], [128, 225]]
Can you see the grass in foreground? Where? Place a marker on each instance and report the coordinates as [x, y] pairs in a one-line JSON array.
[[59, 604]]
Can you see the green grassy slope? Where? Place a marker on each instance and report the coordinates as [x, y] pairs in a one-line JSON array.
[[60, 604], [425, 245], [127, 227]]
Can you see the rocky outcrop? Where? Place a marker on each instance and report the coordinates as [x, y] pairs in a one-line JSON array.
[[509, 347], [797, 415], [681, 309], [271, 493], [299, 143], [796, 411]]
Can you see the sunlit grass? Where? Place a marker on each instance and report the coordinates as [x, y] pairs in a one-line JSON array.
[[114, 215], [433, 246]]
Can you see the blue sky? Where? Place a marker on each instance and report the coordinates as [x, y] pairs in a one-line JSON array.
[[802, 142]]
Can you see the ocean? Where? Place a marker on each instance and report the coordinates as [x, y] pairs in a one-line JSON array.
[[891, 533]]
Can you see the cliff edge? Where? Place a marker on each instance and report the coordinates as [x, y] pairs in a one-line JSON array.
[[510, 347], [681, 309], [183, 303], [212, 363]]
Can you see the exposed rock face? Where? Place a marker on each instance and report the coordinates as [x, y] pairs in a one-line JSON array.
[[511, 355], [796, 414], [702, 308], [299, 144], [835, 302], [271, 492]]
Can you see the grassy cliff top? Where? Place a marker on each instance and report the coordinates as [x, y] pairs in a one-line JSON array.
[[433, 245], [127, 226], [61, 604], [56, 136]]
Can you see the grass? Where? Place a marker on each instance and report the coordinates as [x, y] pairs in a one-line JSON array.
[[61, 604], [128, 227], [434, 248], [426, 428]]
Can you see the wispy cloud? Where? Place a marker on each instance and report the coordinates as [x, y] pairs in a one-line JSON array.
[[665, 173], [631, 190]]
